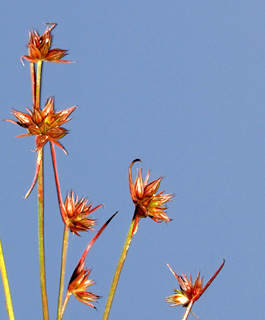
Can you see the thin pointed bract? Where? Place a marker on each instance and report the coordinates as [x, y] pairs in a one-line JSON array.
[[147, 202], [79, 280], [189, 292]]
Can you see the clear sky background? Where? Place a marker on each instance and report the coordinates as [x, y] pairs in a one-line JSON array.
[[178, 84]]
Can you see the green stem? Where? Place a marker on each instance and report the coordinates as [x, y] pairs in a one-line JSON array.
[[9, 305], [118, 270], [63, 263], [38, 84], [41, 241], [65, 236], [33, 83], [188, 310]]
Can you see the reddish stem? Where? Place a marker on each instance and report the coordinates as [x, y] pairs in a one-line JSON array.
[[61, 205]]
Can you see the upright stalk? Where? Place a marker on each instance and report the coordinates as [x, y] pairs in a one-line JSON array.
[[188, 310], [44, 299], [38, 84], [41, 241], [9, 305], [66, 299], [33, 82], [65, 236], [118, 270], [62, 277]]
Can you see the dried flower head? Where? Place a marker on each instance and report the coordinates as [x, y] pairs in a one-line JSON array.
[[44, 124], [77, 212], [147, 202], [79, 283], [39, 47], [189, 292]]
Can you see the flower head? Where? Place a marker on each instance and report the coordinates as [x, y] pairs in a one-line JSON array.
[[147, 202], [44, 124], [39, 47], [79, 283], [189, 292], [77, 212]]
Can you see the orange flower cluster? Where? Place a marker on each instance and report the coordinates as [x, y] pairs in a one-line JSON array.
[[44, 124], [78, 284], [189, 291], [77, 212], [40, 47], [147, 202]]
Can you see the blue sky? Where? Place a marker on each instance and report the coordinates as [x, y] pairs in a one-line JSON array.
[[178, 84]]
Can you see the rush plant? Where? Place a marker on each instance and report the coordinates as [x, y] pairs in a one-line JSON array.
[[48, 127]]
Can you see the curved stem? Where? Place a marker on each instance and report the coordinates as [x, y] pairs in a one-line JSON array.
[[9, 305], [118, 270], [63, 263], [41, 240], [188, 310]]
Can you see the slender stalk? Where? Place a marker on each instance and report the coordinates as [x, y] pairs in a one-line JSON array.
[[38, 84], [33, 83], [65, 236], [118, 270], [59, 195], [9, 305], [68, 294], [188, 310], [62, 277], [41, 241]]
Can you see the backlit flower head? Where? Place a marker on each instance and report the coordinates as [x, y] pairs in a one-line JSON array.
[[189, 291], [39, 47], [79, 283], [77, 212], [147, 202]]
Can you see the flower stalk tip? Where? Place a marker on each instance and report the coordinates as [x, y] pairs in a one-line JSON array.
[[147, 202]]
